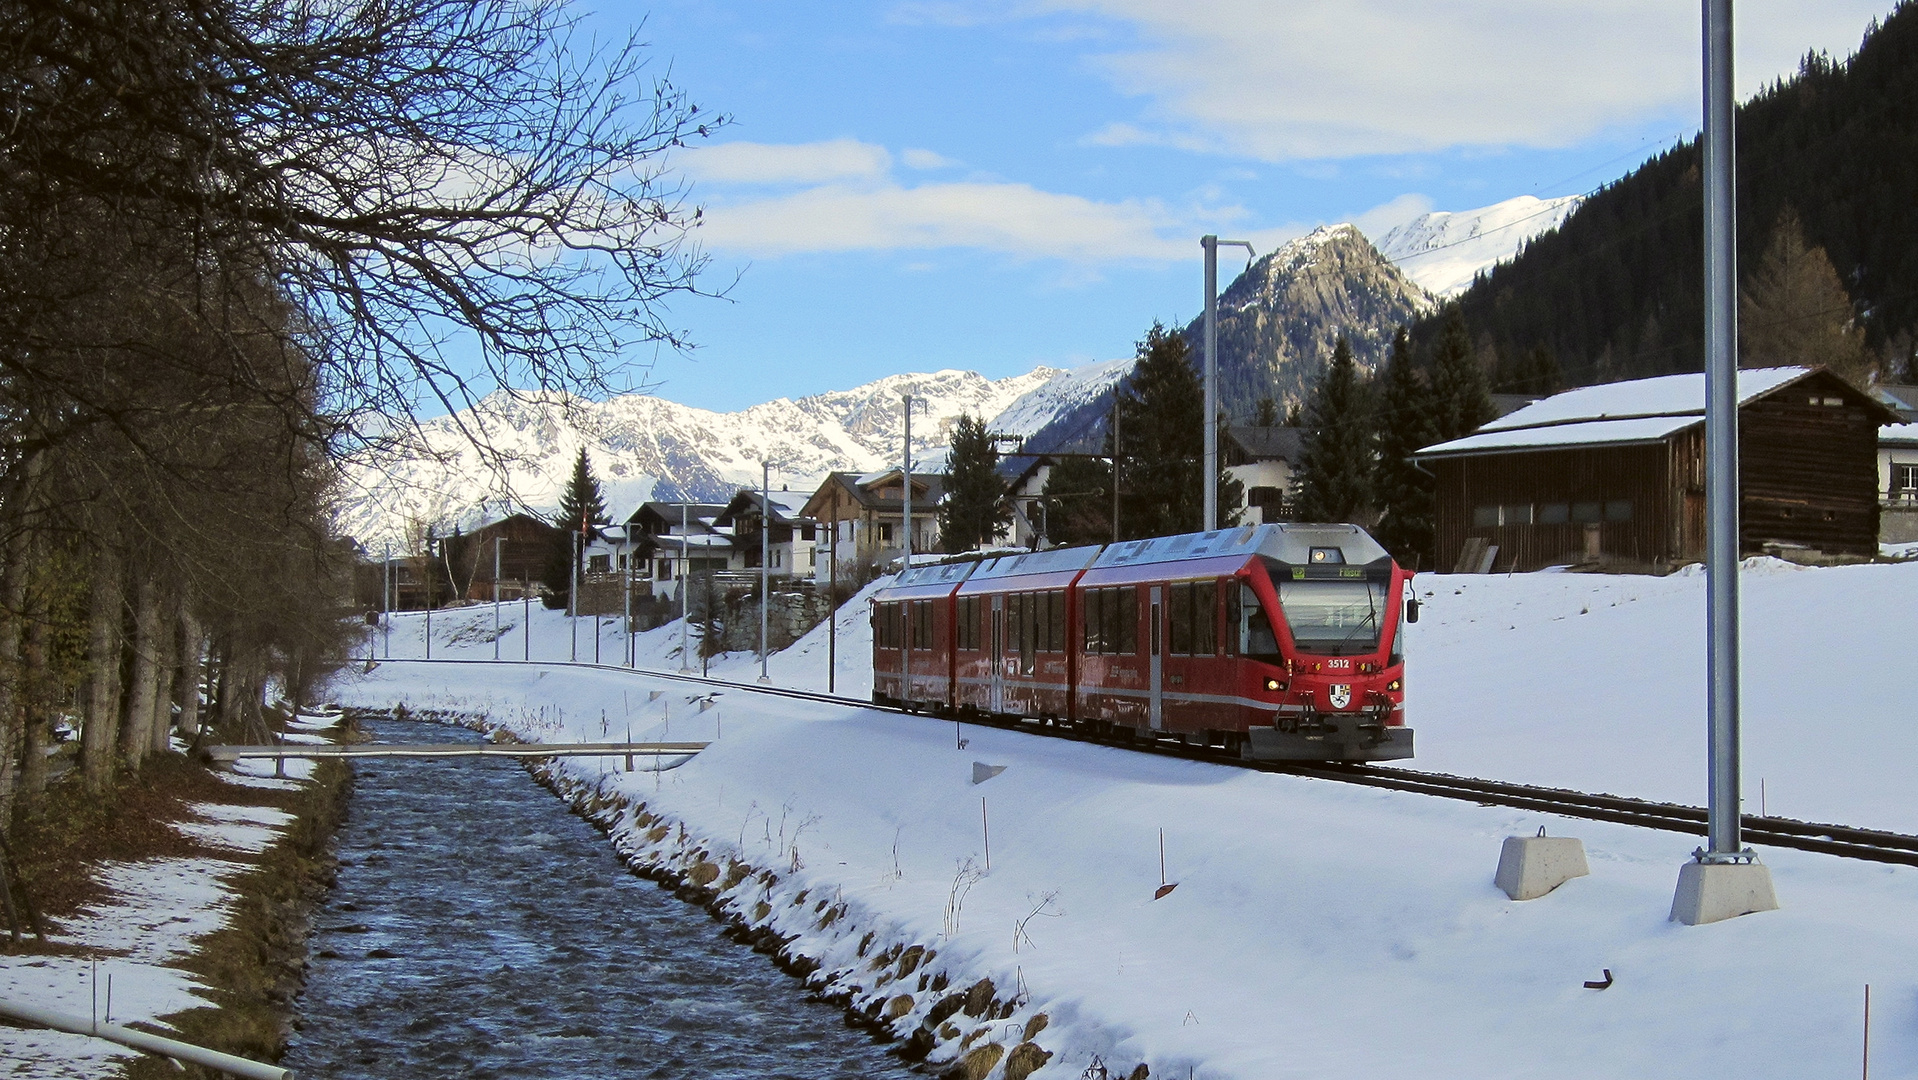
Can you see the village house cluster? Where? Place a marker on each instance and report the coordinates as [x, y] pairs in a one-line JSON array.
[[1607, 475]]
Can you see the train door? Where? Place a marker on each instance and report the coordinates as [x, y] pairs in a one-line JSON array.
[[1156, 659], [998, 693]]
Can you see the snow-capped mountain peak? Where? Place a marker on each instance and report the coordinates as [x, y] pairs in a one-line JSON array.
[[1444, 250], [642, 446]]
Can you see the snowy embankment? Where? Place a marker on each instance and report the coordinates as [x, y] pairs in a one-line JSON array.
[[1316, 929], [122, 960]]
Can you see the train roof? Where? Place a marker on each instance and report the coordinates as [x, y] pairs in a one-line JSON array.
[[1064, 560], [1286, 541], [944, 573]]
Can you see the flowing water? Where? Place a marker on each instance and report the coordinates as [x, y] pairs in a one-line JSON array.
[[480, 929]]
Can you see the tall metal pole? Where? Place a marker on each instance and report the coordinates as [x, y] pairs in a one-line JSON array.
[[1115, 464], [906, 475], [572, 602], [1211, 245], [497, 541], [428, 563], [1721, 436], [386, 598], [765, 547], [685, 578], [832, 598]]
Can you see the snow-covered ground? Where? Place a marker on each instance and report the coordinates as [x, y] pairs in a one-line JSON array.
[[1317, 929], [123, 963]]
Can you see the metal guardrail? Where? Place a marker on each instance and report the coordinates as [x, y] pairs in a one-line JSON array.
[[231, 1064], [524, 750]]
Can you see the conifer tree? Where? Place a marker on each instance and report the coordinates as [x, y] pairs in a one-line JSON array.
[[1461, 401], [1794, 310], [1162, 444], [582, 509], [1268, 412], [1334, 477], [975, 508], [1405, 424]]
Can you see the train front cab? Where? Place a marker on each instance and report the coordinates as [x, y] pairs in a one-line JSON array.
[[912, 636], [1333, 658], [1177, 640], [1012, 634]]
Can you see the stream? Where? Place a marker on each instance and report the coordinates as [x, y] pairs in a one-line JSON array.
[[479, 929]]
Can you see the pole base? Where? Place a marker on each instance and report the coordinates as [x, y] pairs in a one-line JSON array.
[[1710, 892]]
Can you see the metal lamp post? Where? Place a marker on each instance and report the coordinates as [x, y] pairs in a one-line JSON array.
[[1211, 245], [765, 547], [1724, 879], [905, 476], [685, 580]]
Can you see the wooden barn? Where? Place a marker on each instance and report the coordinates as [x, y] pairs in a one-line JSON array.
[[1615, 475]]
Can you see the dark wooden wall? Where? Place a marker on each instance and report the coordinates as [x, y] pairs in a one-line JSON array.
[[1601, 474], [1808, 459], [1808, 471]]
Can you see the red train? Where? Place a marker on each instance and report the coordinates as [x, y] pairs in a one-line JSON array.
[[1276, 642]]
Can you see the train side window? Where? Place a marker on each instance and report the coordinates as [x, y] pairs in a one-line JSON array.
[[1015, 621], [1256, 639], [922, 622], [1231, 618], [1127, 603], [1094, 633], [1205, 619], [1056, 621], [1180, 615], [966, 624]]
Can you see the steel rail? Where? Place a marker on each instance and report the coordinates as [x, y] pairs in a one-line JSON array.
[[1847, 841]]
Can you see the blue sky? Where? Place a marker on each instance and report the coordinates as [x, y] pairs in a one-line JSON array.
[[999, 184]]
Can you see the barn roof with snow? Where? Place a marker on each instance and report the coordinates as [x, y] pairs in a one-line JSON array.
[[1615, 474], [1616, 414]]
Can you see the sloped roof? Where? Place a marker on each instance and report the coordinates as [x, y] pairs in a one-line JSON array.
[[1274, 443], [861, 489], [1617, 414], [1663, 395]]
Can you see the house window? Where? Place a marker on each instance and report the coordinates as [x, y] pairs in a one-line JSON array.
[[1554, 513], [1587, 512], [599, 564], [1484, 517], [806, 532], [1904, 481], [885, 533], [1618, 510]]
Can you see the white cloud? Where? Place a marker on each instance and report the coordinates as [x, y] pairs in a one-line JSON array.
[[1339, 78], [789, 163], [1013, 219], [926, 159], [1384, 217]]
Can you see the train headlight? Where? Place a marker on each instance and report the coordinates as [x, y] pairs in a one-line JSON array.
[[1274, 685], [1395, 684]]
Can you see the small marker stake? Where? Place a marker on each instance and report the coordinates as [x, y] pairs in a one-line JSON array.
[[1866, 1065], [1165, 888], [986, 829]]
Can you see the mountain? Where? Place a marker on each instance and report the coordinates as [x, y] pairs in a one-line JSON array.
[[643, 446], [1444, 251], [1616, 291]]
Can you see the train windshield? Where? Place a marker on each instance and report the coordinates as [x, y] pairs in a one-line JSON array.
[[1334, 618]]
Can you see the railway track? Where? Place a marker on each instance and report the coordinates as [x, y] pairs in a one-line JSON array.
[[1842, 840]]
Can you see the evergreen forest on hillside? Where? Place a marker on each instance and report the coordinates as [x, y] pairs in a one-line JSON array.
[[1616, 292]]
